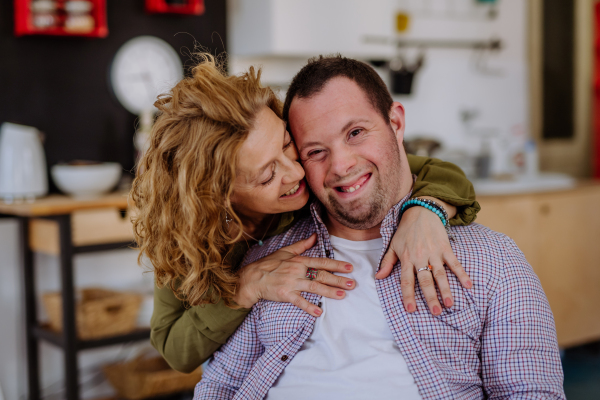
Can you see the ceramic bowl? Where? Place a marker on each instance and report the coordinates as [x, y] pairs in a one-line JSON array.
[[86, 180]]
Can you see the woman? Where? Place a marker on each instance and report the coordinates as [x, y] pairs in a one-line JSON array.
[[203, 199]]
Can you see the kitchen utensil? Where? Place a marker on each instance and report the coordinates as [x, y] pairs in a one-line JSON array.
[[402, 75], [86, 180], [421, 146], [23, 173]]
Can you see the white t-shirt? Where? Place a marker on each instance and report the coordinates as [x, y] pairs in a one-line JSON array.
[[351, 353]]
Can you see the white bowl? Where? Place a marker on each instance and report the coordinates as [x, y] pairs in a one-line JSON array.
[[86, 180]]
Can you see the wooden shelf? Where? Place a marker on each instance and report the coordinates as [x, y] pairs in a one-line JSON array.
[[59, 205], [56, 338]]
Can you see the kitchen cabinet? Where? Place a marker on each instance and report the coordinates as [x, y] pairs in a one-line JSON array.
[[310, 27], [559, 233]]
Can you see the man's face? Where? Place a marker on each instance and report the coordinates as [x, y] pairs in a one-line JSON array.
[[350, 153]]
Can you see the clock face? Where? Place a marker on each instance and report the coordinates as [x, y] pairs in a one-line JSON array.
[[143, 68]]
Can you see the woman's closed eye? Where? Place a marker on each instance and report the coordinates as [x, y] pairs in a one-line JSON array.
[[265, 183], [288, 144]]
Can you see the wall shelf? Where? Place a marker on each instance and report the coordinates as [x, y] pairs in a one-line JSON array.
[[186, 7], [24, 24], [491, 44]]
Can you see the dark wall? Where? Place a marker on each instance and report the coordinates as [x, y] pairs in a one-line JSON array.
[[558, 78], [60, 84]]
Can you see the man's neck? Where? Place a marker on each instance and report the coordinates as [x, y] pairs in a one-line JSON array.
[[335, 228]]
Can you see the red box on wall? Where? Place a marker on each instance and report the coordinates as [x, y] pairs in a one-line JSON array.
[[24, 24], [189, 7]]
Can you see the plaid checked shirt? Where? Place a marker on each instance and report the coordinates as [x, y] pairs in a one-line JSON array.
[[498, 341]]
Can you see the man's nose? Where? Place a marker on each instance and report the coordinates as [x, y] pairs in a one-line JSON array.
[[342, 161]]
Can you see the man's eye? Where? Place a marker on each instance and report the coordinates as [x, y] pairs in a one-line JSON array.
[[355, 132], [314, 153]]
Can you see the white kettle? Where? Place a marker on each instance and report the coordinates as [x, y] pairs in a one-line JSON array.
[[23, 173]]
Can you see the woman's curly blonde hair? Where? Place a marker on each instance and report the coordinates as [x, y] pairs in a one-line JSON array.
[[185, 180]]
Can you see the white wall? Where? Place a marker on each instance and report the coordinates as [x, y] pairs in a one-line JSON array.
[[452, 80], [114, 269]]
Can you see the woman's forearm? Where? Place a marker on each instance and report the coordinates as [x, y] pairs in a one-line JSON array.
[[444, 181], [188, 337], [450, 209]]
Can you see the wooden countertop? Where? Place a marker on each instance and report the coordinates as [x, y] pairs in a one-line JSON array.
[[57, 204], [581, 184]]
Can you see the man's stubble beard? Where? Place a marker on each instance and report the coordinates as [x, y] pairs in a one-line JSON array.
[[368, 219], [380, 202]]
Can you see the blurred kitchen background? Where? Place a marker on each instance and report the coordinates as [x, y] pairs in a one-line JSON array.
[[503, 88]]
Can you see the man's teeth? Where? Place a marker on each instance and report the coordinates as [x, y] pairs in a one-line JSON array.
[[350, 189], [293, 190]]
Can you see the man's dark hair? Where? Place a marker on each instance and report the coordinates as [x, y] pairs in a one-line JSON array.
[[311, 79]]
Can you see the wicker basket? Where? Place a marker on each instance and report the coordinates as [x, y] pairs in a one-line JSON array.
[[99, 312], [144, 378]]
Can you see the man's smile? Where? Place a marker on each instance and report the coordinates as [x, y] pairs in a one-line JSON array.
[[351, 188]]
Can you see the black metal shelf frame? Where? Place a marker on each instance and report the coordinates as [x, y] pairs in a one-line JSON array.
[[67, 339]]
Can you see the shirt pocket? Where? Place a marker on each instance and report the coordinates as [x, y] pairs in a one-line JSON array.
[[453, 339], [463, 322]]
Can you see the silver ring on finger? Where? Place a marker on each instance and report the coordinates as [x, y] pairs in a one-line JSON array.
[[427, 268], [311, 273]]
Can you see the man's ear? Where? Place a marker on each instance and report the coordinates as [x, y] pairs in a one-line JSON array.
[[397, 121]]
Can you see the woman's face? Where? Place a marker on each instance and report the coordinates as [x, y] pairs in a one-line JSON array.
[[270, 180]]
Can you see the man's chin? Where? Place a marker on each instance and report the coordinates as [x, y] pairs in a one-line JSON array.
[[362, 219]]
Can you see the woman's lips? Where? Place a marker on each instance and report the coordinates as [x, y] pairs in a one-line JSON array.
[[299, 189]]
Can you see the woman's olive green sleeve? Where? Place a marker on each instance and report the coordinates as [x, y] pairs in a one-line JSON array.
[[447, 182], [188, 337]]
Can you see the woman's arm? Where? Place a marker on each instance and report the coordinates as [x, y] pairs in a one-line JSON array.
[[447, 182], [421, 239], [188, 337]]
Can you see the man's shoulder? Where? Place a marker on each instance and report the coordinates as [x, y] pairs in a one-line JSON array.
[[483, 240], [489, 256], [302, 229]]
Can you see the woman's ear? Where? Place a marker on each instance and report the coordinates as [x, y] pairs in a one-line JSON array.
[[397, 121]]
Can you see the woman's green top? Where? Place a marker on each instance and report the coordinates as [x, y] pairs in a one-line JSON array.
[[187, 336]]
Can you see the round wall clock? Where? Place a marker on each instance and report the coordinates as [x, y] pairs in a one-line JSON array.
[[143, 68]]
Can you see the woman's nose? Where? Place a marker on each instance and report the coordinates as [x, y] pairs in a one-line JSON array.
[[294, 171]]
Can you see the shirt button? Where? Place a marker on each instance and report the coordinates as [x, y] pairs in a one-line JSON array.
[[284, 358], [327, 253]]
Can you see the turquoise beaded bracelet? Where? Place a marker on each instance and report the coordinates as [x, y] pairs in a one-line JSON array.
[[431, 206]]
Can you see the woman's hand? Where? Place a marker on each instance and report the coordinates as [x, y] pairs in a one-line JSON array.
[[281, 277], [421, 240]]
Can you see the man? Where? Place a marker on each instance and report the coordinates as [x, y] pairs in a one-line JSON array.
[[498, 339]]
